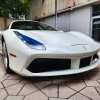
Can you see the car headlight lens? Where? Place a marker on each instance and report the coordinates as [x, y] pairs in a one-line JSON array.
[[32, 43]]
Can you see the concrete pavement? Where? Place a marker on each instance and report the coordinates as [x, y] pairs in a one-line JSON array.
[[85, 86]]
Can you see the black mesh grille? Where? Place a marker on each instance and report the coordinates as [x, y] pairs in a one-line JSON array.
[[85, 62], [95, 57], [44, 65]]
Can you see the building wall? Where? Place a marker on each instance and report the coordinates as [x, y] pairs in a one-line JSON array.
[[48, 7], [42, 8], [80, 20], [35, 8], [77, 20], [4, 22], [62, 21], [78, 2]]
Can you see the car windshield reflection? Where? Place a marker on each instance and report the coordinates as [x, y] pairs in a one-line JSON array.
[[30, 25]]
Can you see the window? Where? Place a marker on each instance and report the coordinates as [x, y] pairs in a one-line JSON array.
[[30, 25], [96, 10], [96, 29], [96, 22]]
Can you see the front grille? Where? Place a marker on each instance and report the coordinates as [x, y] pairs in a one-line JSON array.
[[95, 56], [85, 62], [46, 64]]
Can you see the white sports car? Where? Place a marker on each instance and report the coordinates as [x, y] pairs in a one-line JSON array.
[[31, 48]]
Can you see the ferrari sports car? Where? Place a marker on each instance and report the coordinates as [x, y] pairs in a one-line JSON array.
[[31, 48]]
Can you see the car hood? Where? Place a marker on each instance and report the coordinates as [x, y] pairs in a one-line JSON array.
[[56, 40]]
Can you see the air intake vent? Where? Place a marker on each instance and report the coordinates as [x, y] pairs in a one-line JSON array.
[[46, 65], [85, 62]]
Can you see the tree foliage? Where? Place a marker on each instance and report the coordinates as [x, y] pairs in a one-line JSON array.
[[15, 8]]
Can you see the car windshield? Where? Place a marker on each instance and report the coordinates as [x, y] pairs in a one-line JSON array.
[[30, 25]]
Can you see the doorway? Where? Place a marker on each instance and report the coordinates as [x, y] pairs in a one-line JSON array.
[[96, 22]]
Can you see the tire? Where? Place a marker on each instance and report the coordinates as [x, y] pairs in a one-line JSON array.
[[5, 58]]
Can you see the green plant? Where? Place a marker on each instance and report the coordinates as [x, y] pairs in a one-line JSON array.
[[15, 8]]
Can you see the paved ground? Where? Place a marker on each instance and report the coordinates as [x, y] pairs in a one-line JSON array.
[[77, 87]]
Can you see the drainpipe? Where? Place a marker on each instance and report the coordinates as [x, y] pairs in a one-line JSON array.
[[56, 14]]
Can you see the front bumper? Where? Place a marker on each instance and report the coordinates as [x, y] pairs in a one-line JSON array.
[[74, 68], [59, 73]]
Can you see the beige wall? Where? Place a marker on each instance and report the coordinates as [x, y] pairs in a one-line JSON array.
[[35, 8], [48, 7], [1, 23], [42, 9], [4, 22], [81, 1]]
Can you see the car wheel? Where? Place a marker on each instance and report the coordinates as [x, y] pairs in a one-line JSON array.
[[5, 57]]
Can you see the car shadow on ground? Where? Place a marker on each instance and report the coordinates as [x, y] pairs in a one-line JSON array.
[[90, 75]]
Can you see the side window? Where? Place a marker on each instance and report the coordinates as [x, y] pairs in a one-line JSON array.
[[13, 26]]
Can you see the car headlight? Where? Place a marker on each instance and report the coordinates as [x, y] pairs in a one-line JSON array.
[[32, 43]]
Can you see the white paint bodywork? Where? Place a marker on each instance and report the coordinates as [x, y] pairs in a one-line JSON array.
[[72, 45]]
